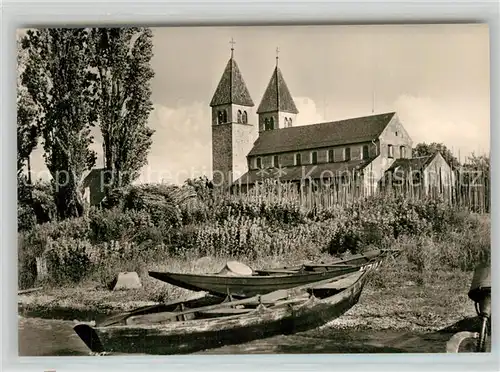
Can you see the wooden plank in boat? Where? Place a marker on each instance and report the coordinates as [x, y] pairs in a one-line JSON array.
[[276, 271], [156, 318], [330, 265], [225, 311], [340, 284]]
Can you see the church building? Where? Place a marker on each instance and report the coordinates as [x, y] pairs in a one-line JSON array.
[[250, 146]]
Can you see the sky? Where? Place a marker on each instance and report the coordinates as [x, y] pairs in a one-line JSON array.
[[436, 77]]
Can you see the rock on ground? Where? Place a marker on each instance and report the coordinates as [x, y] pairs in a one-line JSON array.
[[127, 280]]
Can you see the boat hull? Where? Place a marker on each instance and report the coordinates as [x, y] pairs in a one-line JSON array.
[[246, 286], [192, 336]]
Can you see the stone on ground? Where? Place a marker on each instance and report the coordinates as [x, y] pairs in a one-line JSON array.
[[127, 280]]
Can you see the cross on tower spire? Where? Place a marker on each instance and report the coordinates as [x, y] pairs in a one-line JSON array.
[[277, 55], [232, 42]]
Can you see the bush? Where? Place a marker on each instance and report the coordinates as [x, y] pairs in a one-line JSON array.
[[26, 264], [26, 218], [283, 212], [68, 260]]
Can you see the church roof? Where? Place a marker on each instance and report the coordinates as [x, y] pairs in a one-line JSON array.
[[336, 133], [232, 88], [277, 97], [418, 163]]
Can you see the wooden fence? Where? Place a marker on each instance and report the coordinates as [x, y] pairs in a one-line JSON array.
[[469, 192]]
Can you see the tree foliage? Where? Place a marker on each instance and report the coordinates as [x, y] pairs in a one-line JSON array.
[[120, 60], [425, 149], [27, 129], [56, 76], [478, 163]]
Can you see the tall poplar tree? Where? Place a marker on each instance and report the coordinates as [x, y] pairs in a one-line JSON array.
[[57, 78], [122, 74]]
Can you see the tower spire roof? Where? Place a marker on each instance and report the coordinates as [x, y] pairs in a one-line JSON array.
[[277, 96], [232, 88], [232, 42]]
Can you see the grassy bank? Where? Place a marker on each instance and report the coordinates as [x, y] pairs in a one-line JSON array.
[[159, 228]]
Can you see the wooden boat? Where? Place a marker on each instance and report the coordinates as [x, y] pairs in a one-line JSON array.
[[265, 281], [186, 327]]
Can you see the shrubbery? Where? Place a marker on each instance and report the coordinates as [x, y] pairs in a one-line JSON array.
[[152, 222]]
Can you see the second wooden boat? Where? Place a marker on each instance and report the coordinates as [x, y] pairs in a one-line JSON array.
[[265, 281], [187, 327]]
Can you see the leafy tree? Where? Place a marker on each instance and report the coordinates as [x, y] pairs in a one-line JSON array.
[[424, 149], [57, 77], [27, 129], [478, 163], [122, 73], [476, 170]]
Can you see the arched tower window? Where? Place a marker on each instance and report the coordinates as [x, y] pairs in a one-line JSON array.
[[271, 123], [286, 122], [220, 117], [245, 117], [289, 122], [224, 116], [239, 116], [266, 124]]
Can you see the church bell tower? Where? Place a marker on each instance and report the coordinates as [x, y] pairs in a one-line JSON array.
[[233, 132], [277, 109]]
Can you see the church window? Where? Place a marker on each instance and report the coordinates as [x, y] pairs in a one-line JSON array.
[[271, 123], [365, 152], [220, 117], [258, 163], [289, 122], [266, 124], [390, 151], [245, 117], [314, 157], [224, 116], [330, 156], [347, 154], [239, 116], [298, 160], [276, 161]]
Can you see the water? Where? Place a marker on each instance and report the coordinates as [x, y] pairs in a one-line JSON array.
[[45, 337]]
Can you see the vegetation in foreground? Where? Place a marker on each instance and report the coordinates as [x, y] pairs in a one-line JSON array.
[[188, 230]]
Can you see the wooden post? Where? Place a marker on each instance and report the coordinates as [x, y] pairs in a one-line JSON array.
[[41, 268]]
